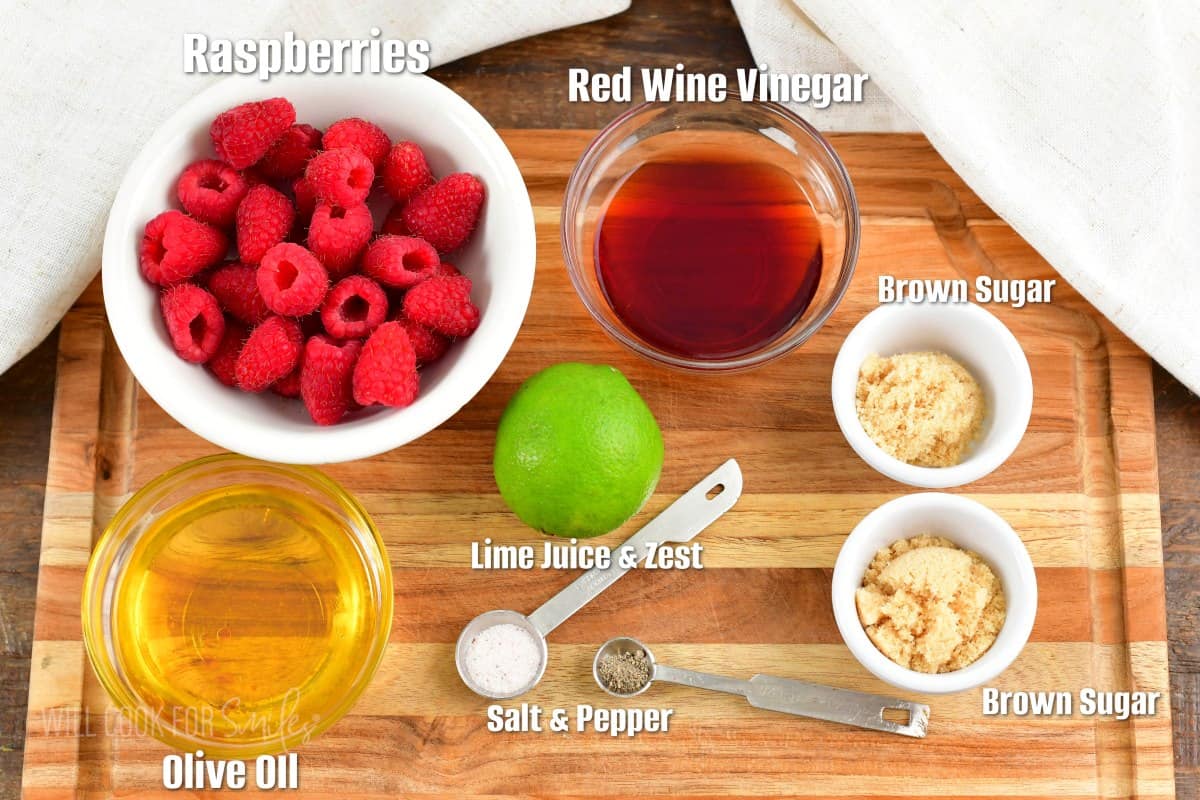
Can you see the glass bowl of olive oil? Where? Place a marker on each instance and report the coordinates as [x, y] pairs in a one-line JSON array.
[[237, 606]]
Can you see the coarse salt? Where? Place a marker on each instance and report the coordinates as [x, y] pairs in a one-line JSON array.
[[503, 659]]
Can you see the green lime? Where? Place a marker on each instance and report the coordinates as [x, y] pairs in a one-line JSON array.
[[577, 451]]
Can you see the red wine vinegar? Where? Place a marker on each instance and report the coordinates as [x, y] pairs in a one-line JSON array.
[[708, 258]]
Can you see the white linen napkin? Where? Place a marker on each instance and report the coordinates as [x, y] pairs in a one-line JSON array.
[[1076, 121], [83, 87]]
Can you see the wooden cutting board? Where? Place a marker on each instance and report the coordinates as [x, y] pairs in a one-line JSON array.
[[1081, 490]]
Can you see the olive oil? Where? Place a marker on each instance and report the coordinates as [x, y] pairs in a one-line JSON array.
[[243, 615]]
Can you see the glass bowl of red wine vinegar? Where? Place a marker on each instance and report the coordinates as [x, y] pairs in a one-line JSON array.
[[710, 237]]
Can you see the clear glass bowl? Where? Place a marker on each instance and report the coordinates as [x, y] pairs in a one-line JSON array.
[[355, 618], [764, 132]]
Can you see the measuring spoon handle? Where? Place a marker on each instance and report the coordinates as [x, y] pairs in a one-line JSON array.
[[836, 705], [679, 522], [701, 680], [807, 700]]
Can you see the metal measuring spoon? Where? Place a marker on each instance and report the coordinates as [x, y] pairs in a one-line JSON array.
[[679, 522], [778, 694]]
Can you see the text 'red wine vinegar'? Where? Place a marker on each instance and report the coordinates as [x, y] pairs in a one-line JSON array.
[[708, 258]]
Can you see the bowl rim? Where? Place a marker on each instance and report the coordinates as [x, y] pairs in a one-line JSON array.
[[991, 452], [574, 262], [1017, 572], [117, 530], [357, 438]]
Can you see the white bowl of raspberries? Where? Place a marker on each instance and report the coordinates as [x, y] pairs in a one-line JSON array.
[[321, 268]]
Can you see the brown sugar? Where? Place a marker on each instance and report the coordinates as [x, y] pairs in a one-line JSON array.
[[925, 409], [929, 605]]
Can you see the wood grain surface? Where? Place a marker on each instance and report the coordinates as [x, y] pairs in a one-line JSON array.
[[522, 85], [1081, 490]]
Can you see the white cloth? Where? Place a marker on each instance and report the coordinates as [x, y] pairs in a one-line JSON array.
[[1076, 121], [81, 88]]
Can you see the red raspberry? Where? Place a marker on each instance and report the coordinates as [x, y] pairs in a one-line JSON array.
[[210, 191], [244, 134], [446, 213], [291, 280], [393, 223], [338, 235], [353, 308], [264, 219], [428, 345], [358, 134], [289, 385], [175, 247], [400, 261], [326, 378], [223, 363], [443, 304], [269, 353], [386, 371], [236, 288], [447, 270], [342, 177], [306, 199], [194, 321], [287, 157], [405, 171]]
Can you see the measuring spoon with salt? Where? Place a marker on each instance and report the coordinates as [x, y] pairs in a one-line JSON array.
[[680, 522], [787, 696]]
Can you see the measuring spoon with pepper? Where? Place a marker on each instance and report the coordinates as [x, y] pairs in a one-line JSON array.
[[624, 667]]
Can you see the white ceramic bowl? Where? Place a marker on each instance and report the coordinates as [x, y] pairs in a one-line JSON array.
[[972, 526], [975, 338], [499, 259]]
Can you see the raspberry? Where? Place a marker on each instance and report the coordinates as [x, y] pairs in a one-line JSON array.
[[269, 353], [223, 363], [405, 171], [358, 134], [289, 385], [342, 177], [447, 270], [337, 235], [446, 213], [428, 345], [236, 289], [194, 321], [244, 134], [386, 371], [393, 223], [288, 156], [443, 304], [291, 280], [399, 261], [263, 220], [326, 378], [353, 308], [210, 191], [175, 247], [306, 199]]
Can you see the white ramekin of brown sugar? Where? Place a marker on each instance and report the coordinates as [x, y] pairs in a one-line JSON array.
[[973, 338], [969, 526]]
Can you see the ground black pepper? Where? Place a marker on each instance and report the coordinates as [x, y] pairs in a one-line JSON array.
[[625, 673]]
